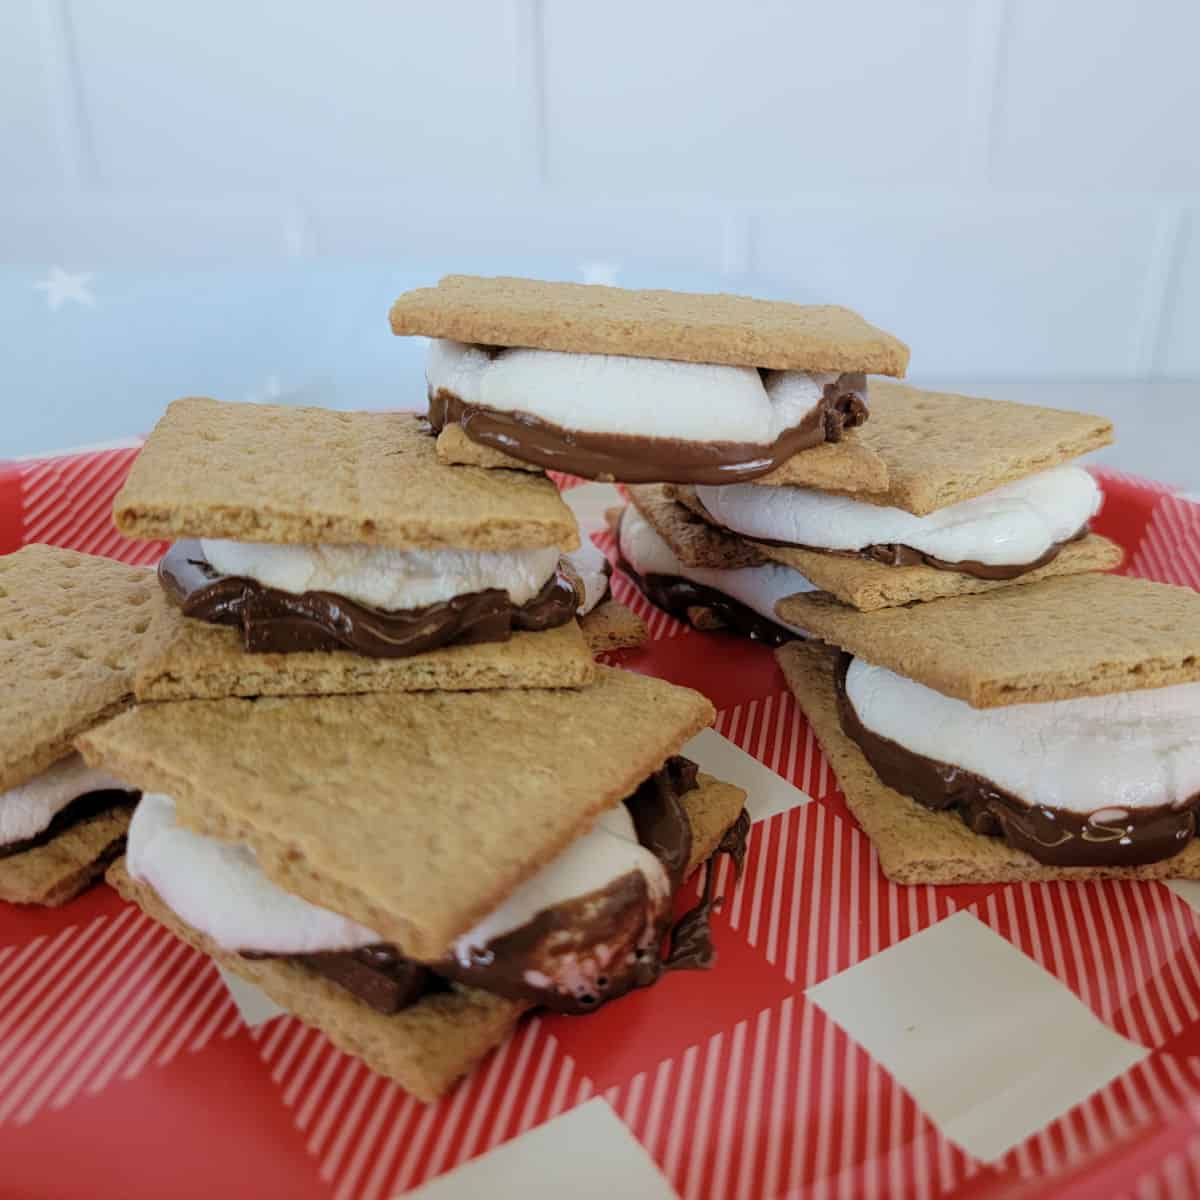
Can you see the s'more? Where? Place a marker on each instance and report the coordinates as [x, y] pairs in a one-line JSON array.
[[647, 386], [70, 625], [983, 494], [410, 873], [1050, 731], [321, 552]]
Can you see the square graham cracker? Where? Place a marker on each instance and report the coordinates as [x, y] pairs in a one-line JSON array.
[[68, 864], [581, 318], [415, 813], [869, 586], [186, 659], [270, 473], [1078, 635], [939, 448], [70, 626], [914, 843], [673, 512], [430, 1045]]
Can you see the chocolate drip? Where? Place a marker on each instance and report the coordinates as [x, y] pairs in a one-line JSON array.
[[660, 820], [893, 555], [1055, 836], [691, 937], [276, 621], [82, 808], [631, 458], [680, 597]]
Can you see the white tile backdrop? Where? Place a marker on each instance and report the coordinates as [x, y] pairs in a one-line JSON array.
[[1010, 185]]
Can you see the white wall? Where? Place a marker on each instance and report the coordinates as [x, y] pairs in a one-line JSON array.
[[1012, 186]]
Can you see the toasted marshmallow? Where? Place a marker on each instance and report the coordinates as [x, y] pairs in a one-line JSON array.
[[1014, 524], [758, 588], [221, 890], [1120, 752], [643, 397], [27, 809], [384, 578]]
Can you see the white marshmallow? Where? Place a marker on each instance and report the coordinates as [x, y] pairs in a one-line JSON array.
[[1013, 524], [591, 567], [384, 578], [645, 397], [221, 890], [1124, 751], [605, 853], [29, 807], [758, 588]]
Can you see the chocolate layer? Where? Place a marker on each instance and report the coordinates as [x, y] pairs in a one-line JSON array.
[[82, 808], [1055, 836], [613, 916], [630, 458], [680, 597], [276, 621]]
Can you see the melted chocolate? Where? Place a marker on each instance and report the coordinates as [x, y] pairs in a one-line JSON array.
[[1055, 836], [82, 808], [276, 621], [680, 597], [631, 458]]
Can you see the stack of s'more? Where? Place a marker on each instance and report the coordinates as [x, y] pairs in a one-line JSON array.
[[384, 778]]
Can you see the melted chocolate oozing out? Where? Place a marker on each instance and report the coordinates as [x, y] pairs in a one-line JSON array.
[[272, 620], [634, 459], [680, 596], [82, 808], [381, 977], [1054, 836]]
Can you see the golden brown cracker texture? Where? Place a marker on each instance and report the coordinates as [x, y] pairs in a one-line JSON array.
[[612, 626], [684, 326], [70, 625], [271, 473], [1078, 635]]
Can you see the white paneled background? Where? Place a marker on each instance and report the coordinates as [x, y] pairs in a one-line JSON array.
[[1012, 186]]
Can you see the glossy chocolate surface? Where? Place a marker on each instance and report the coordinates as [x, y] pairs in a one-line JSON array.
[[90, 804], [629, 458], [275, 621]]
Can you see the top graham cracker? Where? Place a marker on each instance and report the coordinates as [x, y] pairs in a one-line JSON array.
[[582, 318], [70, 627], [270, 473], [414, 814], [1076, 635], [939, 448]]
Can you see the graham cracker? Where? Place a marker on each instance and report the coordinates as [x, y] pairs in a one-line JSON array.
[[869, 586], [939, 448], [70, 625], [914, 843], [185, 659], [271, 473], [456, 449], [1079, 635], [673, 512], [68, 864], [414, 813], [688, 327], [612, 626]]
